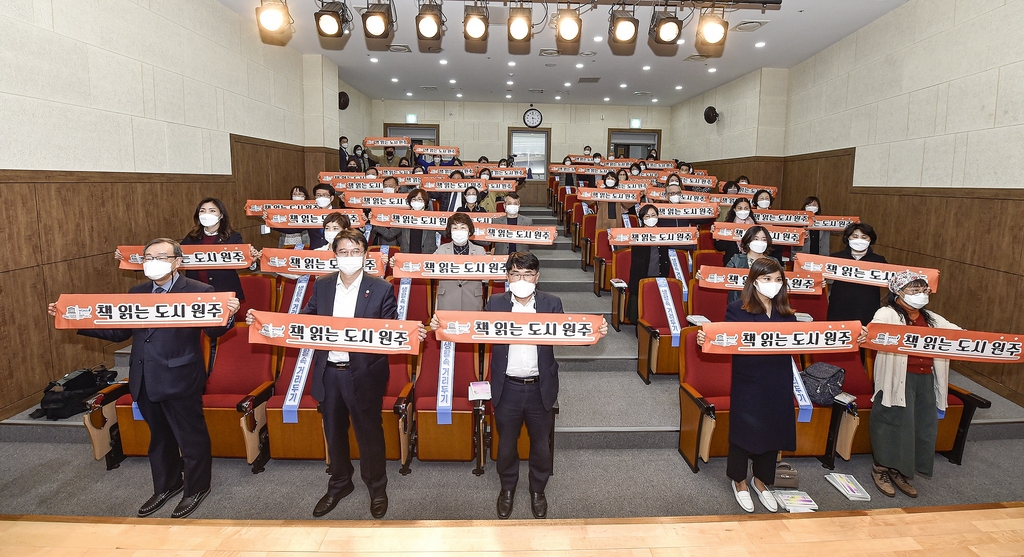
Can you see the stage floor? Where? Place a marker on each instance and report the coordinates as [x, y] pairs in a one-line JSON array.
[[975, 530]]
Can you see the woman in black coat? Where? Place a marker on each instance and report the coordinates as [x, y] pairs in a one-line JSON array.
[[212, 226], [761, 417], [848, 300], [645, 262]]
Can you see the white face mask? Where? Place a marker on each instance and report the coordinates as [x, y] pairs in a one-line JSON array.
[[811, 208], [609, 182], [768, 289], [742, 213], [330, 235], [634, 172], [651, 221], [344, 145], [485, 176], [359, 153], [597, 160], [417, 205], [470, 199], [208, 219], [350, 265], [758, 246], [460, 237], [675, 198], [437, 160], [916, 301], [389, 190], [512, 210], [323, 202], [522, 288], [586, 152], [298, 198], [859, 244], [763, 203], [155, 269]]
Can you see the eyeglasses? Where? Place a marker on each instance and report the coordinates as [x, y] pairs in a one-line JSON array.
[[159, 257], [529, 275], [916, 289], [350, 253]]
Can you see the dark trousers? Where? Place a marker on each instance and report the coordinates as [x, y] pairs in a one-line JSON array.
[[178, 442], [523, 404], [903, 437], [356, 396], [763, 464]]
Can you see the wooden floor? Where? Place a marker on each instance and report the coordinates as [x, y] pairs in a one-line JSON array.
[[977, 530]]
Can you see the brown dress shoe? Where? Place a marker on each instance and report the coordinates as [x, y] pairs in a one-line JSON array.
[[902, 483], [882, 480]]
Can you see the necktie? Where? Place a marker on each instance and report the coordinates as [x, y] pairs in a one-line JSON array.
[[159, 290]]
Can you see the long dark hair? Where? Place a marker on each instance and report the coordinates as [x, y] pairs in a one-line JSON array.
[[891, 298], [751, 303], [749, 235], [224, 230], [731, 216]]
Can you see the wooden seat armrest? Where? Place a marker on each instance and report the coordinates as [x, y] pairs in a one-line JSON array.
[[258, 396]]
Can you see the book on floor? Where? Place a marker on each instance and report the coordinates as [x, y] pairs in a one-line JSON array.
[[848, 486], [795, 501]]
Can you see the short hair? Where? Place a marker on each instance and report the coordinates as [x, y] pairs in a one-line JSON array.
[[811, 199], [454, 172], [474, 188], [174, 245], [635, 165], [743, 177], [586, 146], [612, 174], [390, 178], [678, 179], [862, 227], [343, 137], [351, 235], [416, 193], [459, 218], [757, 194], [597, 155], [748, 237], [730, 184], [369, 170], [732, 210], [643, 211], [324, 187], [339, 218], [303, 189], [524, 260], [512, 195], [483, 159], [780, 303]]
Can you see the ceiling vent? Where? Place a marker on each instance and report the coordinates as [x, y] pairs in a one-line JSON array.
[[642, 93], [588, 53], [399, 48], [696, 58], [748, 25], [537, 91], [588, 80], [428, 87], [549, 52]]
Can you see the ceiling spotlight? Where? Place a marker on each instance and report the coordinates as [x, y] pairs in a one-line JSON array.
[[759, 45], [474, 23], [568, 26], [665, 27], [451, 81], [408, 94], [567, 84], [333, 20], [558, 97], [443, 62], [711, 30], [511, 63], [374, 60], [508, 96], [654, 100], [607, 99], [520, 24], [681, 41], [646, 68], [273, 16], [429, 22], [378, 21], [598, 39], [459, 95], [579, 65], [622, 27], [712, 70], [623, 85], [678, 87], [508, 82], [394, 80]]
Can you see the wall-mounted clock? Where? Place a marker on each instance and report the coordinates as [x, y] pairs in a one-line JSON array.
[[532, 117]]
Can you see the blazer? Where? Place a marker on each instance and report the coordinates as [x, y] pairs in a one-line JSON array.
[[501, 248], [376, 300], [823, 246], [460, 295], [546, 364], [848, 300], [387, 236], [222, 280], [170, 359]]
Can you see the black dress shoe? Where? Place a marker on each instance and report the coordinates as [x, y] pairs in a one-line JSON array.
[[379, 506], [189, 504], [154, 503], [538, 504], [327, 503], [505, 498]]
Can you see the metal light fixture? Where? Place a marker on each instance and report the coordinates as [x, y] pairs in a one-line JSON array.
[[711, 30], [622, 27], [333, 20], [474, 23], [665, 27], [520, 24], [272, 16], [378, 21], [429, 22], [568, 26]]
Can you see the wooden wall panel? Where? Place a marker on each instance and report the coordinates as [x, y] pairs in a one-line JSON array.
[[18, 213], [27, 359], [71, 229]]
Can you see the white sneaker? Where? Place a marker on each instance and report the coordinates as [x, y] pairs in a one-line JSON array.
[[743, 497], [766, 497]]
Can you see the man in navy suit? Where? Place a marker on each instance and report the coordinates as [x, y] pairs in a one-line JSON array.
[[524, 387], [167, 376], [350, 386]]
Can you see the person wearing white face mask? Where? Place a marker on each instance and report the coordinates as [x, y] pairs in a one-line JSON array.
[[323, 195], [460, 295], [212, 226], [334, 223], [740, 213], [763, 199], [756, 244], [470, 201], [762, 421], [910, 392], [166, 376], [818, 241], [285, 239], [646, 262], [849, 300], [515, 218], [343, 153], [410, 240]]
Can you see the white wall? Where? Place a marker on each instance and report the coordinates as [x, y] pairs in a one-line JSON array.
[[355, 121], [145, 86], [931, 94]]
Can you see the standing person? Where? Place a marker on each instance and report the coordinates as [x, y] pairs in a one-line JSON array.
[[299, 193], [212, 226], [817, 241], [411, 240], [389, 157], [357, 155], [762, 421], [460, 295], [849, 300], [166, 376], [343, 152], [763, 199], [324, 195], [350, 386], [910, 392], [513, 218]]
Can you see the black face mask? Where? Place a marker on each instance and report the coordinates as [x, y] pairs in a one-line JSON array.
[[389, 153]]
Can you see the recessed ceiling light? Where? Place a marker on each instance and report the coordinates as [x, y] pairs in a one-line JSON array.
[[508, 96], [759, 45], [459, 95], [394, 80], [451, 81], [567, 84], [598, 39], [622, 85], [580, 65], [646, 68], [443, 62], [678, 87], [681, 41], [712, 70], [558, 97], [511, 63], [508, 82], [374, 60], [607, 99], [408, 94], [654, 100]]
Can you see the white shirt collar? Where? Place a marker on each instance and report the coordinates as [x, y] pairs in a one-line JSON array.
[[355, 284]]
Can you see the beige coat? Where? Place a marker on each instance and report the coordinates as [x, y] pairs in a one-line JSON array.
[[460, 295], [891, 369]]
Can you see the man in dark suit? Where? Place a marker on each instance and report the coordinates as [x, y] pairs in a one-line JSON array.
[[350, 386], [343, 152], [167, 376], [524, 387]]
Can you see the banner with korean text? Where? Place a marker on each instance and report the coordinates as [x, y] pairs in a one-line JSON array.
[[515, 234], [494, 327], [833, 224], [451, 267], [309, 218], [780, 235], [687, 210], [783, 218], [386, 141], [342, 334], [142, 311], [256, 207], [439, 150], [755, 337], [424, 220], [314, 262], [860, 272], [655, 236], [608, 195], [950, 344], [728, 278], [371, 199], [198, 256]]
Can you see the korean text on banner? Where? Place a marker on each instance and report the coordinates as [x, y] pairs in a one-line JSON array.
[[860, 272], [609, 195], [780, 235], [687, 210], [445, 378], [492, 327], [386, 141], [729, 278], [324, 332], [533, 235], [314, 262], [457, 267], [781, 337], [670, 309], [198, 256], [834, 224], [142, 311], [667, 236], [950, 344], [255, 207], [309, 218]]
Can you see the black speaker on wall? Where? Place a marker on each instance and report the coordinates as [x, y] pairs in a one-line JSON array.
[[342, 100], [711, 115]]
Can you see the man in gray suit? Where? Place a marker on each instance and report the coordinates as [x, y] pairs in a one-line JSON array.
[[512, 217]]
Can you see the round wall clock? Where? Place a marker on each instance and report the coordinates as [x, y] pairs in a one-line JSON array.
[[532, 118]]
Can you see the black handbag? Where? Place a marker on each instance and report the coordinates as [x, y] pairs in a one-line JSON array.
[[823, 382], [67, 396]]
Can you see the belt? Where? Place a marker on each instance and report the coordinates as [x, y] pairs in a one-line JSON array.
[[337, 365], [523, 380]]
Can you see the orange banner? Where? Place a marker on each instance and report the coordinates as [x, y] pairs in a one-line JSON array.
[[860, 272], [372, 199], [495, 327], [660, 165], [424, 220], [608, 195], [722, 199], [453, 267], [637, 185], [255, 207], [533, 235], [687, 210], [580, 159], [768, 337], [466, 171], [314, 262], [655, 193], [386, 142], [310, 218], [445, 184], [396, 171], [706, 183], [781, 236], [442, 150], [201, 256], [729, 278], [574, 169], [362, 183], [950, 344], [142, 311], [343, 334], [498, 172], [791, 218], [620, 163], [331, 177], [657, 236], [834, 224], [410, 179], [750, 190]]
